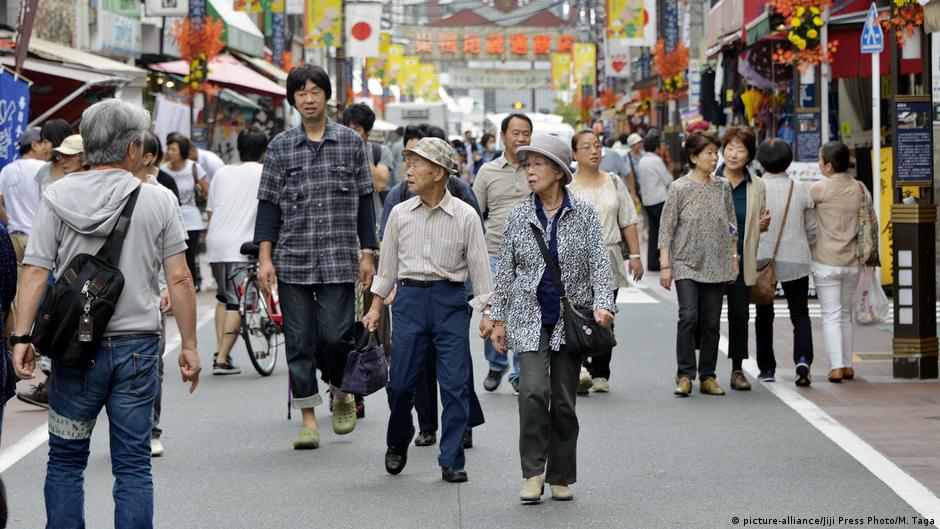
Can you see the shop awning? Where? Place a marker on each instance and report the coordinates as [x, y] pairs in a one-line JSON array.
[[58, 85], [228, 72], [74, 57], [241, 33], [724, 41], [850, 62], [230, 96], [266, 68]]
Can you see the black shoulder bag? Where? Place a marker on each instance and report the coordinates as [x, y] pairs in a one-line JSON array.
[[583, 335], [76, 310]]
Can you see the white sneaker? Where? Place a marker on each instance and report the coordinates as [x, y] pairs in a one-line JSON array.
[[584, 387], [156, 448], [600, 385]]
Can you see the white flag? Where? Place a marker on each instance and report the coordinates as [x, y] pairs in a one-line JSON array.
[[362, 29]]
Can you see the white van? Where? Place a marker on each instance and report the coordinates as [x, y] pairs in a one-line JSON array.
[[541, 124]]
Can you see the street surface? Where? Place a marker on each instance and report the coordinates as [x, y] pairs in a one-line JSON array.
[[646, 459]]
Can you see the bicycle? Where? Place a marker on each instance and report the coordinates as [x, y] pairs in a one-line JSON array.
[[262, 325]]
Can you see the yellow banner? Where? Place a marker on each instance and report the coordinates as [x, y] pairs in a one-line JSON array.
[[585, 64], [426, 77], [886, 246], [323, 23], [561, 72], [631, 21], [408, 76], [385, 40], [277, 6], [375, 68], [393, 64]]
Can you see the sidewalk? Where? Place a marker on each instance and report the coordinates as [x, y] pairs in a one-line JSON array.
[[899, 418]]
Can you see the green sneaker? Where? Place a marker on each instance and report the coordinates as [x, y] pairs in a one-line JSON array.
[[344, 416], [307, 439]]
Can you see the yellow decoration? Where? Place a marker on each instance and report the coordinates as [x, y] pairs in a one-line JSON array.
[[795, 22], [812, 33], [814, 10], [800, 11], [818, 21]]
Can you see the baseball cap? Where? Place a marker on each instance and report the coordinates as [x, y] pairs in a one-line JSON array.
[[71, 145], [28, 137]]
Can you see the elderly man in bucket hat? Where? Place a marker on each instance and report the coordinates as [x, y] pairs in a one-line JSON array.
[[432, 243]]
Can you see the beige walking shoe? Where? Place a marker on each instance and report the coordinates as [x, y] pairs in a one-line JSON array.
[[710, 387], [584, 387], [683, 387], [562, 493], [532, 490], [600, 385]]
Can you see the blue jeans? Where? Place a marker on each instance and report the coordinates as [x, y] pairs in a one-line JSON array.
[[500, 362], [122, 379]]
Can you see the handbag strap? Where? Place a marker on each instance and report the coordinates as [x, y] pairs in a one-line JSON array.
[[786, 211], [550, 263], [111, 251]]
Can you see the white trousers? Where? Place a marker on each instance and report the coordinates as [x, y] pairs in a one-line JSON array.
[[834, 288]]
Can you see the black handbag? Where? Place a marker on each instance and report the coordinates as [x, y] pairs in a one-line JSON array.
[[76, 310], [366, 368], [583, 335]]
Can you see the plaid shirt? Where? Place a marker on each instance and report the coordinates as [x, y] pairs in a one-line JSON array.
[[317, 186]]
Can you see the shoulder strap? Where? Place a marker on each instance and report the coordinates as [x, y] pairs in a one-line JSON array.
[[111, 251], [786, 211], [376, 153], [549, 262], [195, 174]]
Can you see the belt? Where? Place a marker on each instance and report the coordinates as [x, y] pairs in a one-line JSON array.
[[414, 283]]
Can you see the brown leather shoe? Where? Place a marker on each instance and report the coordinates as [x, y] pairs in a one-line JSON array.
[[739, 382], [710, 387], [684, 388], [848, 373], [836, 375]]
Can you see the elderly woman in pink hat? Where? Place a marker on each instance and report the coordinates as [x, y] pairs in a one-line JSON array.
[[527, 315]]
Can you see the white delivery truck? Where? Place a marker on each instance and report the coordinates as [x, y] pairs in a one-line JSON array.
[[404, 114], [541, 124]]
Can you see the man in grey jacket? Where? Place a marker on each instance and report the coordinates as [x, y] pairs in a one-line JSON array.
[[76, 216]]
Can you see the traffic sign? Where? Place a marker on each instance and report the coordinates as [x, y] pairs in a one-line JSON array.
[[873, 38]]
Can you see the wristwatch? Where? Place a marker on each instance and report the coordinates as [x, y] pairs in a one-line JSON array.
[[26, 338]]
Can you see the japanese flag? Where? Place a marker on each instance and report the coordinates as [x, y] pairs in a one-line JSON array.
[[362, 29]]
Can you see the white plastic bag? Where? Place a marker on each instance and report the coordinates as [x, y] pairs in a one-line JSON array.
[[869, 303]]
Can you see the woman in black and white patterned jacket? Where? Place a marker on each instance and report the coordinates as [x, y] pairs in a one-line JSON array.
[[527, 316]]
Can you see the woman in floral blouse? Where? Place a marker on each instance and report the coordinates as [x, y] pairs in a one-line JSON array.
[[527, 314], [698, 249]]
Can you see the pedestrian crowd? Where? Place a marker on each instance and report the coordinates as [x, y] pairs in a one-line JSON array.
[[358, 239]]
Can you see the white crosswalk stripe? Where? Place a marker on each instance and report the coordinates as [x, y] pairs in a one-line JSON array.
[[781, 311]]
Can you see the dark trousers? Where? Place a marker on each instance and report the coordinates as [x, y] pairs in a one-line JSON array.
[[192, 250], [654, 212], [797, 294], [438, 316], [739, 306], [426, 397], [699, 312], [318, 328], [548, 424]]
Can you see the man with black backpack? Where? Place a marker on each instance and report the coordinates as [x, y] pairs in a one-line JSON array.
[[102, 231]]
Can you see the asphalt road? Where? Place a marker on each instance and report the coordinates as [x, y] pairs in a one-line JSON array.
[[646, 459]]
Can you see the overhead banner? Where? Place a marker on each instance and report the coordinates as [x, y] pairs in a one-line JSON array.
[[632, 21], [426, 82], [470, 78], [14, 114], [470, 43], [561, 72], [362, 30], [408, 76], [585, 64], [617, 59], [324, 23], [393, 64]]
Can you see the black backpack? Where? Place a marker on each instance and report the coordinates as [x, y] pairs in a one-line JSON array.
[[76, 310]]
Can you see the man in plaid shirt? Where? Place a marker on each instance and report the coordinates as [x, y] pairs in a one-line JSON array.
[[314, 213]]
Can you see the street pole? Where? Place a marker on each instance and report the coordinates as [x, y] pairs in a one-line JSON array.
[[876, 138], [824, 78]]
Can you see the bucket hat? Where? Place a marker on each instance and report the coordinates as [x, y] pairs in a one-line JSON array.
[[634, 139], [553, 148], [437, 151]]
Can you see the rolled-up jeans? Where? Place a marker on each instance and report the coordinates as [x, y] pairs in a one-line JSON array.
[[123, 379], [500, 362]]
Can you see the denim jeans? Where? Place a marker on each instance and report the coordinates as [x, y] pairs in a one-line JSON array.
[[123, 379], [699, 310], [155, 431], [797, 294], [500, 362]]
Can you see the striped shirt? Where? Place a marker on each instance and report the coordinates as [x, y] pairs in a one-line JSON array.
[[443, 243]]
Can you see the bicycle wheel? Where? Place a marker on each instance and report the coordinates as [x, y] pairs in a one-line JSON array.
[[263, 337]]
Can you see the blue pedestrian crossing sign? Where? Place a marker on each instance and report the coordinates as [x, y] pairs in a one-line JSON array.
[[873, 38]]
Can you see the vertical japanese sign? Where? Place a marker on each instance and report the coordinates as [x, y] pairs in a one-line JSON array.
[[585, 64], [561, 72], [913, 126], [323, 23], [277, 36], [671, 25], [14, 114], [197, 11], [393, 64], [633, 21]]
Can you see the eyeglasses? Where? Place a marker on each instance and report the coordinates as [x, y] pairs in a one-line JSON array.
[[590, 147], [534, 164]]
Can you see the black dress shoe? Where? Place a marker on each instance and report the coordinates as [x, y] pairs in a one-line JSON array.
[[494, 379], [468, 438], [396, 457], [454, 475], [426, 439]]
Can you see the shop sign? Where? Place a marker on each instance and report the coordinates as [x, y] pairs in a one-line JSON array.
[[118, 33], [468, 44], [166, 8], [617, 59], [468, 78], [808, 136], [913, 126]]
